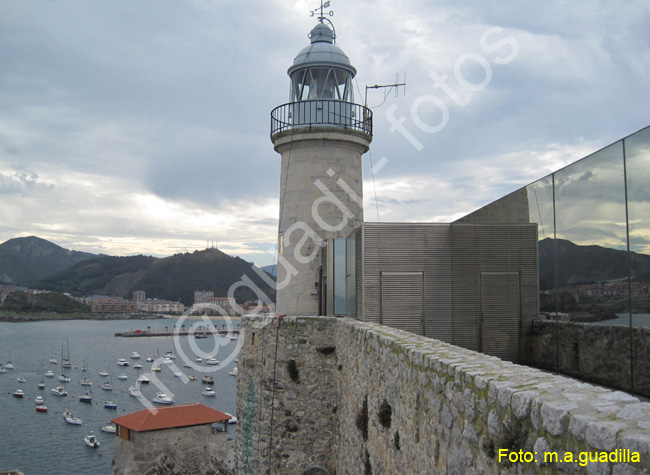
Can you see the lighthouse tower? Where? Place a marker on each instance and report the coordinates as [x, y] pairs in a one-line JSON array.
[[321, 135]]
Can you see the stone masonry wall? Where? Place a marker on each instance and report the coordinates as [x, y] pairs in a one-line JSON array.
[[300, 409], [597, 353], [373, 399]]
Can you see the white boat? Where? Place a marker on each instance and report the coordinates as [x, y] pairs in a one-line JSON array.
[[110, 428], [86, 381], [209, 392], [49, 373], [187, 365], [137, 366], [107, 386], [19, 393], [91, 441], [178, 374], [232, 420], [110, 405], [135, 392], [64, 379], [207, 379], [234, 372], [53, 359], [198, 359], [213, 361], [150, 359], [41, 385], [10, 364], [21, 380], [143, 379], [122, 362], [39, 400], [123, 377], [103, 373], [59, 391], [135, 355], [162, 398], [2, 369], [170, 355], [70, 419]]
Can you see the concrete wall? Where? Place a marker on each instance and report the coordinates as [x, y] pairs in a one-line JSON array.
[[187, 450], [453, 408], [597, 353]]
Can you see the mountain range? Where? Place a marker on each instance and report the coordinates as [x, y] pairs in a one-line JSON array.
[[41, 264]]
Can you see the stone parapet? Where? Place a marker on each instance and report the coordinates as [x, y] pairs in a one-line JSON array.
[[370, 396]]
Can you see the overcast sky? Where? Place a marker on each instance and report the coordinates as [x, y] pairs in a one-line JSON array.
[[131, 127]]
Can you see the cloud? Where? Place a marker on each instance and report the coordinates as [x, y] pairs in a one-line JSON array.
[[145, 128]]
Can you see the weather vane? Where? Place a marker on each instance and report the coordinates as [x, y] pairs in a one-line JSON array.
[[323, 6]]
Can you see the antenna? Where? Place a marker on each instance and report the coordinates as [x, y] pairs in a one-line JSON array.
[[396, 85]]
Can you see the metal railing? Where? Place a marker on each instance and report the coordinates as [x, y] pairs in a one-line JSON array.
[[319, 113]]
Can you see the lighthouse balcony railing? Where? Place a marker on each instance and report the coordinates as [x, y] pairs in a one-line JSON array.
[[321, 113]]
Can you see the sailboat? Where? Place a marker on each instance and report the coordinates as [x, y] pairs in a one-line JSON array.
[[63, 378], [41, 385], [53, 360], [87, 396], [85, 381], [10, 364], [108, 385], [65, 362]]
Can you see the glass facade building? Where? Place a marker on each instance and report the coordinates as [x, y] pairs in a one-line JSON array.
[[593, 224]]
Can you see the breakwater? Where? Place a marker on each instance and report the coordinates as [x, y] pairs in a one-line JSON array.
[[195, 333]]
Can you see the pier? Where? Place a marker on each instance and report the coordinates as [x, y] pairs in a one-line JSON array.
[[195, 333]]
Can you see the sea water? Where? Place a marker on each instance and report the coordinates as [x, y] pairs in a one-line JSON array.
[[43, 443]]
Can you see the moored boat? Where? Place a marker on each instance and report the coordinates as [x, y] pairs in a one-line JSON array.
[[39, 400], [64, 379], [103, 373], [135, 392], [234, 372], [207, 380], [110, 428], [143, 379], [21, 380], [19, 393], [91, 441], [49, 373], [59, 391], [212, 361], [86, 397], [162, 398], [122, 362], [41, 408], [135, 355], [209, 392], [70, 419], [110, 405], [123, 377]]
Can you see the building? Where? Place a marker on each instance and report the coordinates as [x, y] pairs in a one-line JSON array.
[[139, 296], [203, 296], [226, 305], [183, 434]]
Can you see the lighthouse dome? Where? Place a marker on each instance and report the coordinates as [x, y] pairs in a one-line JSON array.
[[322, 52], [321, 70]]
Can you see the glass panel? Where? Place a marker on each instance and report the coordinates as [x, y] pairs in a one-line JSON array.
[[351, 276], [540, 211], [592, 237], [637, 159], [340, 269]]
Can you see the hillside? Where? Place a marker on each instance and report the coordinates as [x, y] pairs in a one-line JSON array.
[[172, 278], [588, 264], [51, 302], [26, 260]]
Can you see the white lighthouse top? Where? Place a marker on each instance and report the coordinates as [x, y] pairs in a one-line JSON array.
[[322, 52]]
